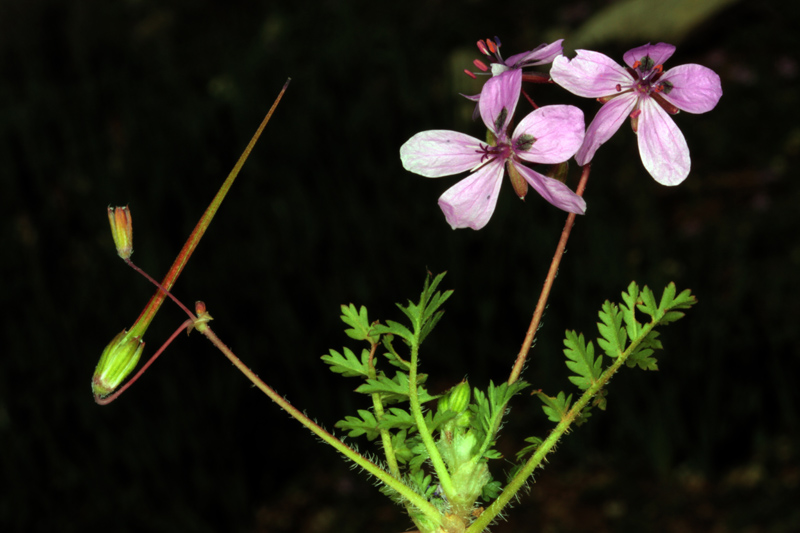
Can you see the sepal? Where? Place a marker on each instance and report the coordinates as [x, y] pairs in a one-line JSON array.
[[117, 361]]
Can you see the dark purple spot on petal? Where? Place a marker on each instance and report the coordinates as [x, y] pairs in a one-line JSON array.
[[500, 122]]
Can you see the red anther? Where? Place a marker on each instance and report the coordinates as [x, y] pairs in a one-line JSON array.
[[470, 74], [482, 47], [492, 46], [637, 64], [480, 64], [658, 68], [618, 87]]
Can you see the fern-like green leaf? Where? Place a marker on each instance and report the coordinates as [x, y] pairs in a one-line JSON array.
[[358, 322], [393, 328], [396, 418], [581, 360], [613, 334], [555, 407], [396, 389], [348, 364], [355, 426]]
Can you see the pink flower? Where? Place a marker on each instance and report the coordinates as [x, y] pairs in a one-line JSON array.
[[542, 54], [549, 135], [646, 93]]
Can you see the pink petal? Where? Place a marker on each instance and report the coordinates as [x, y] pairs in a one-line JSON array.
[[553, 190], [541, 55], [605, 125], [558, 130], [590, 74], [471, 202], [659, 53], [695, 88], [437, 153], [500, 92], [662, 146]]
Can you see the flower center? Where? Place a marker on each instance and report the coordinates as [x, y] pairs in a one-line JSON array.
[[647, 75], [502, 150]]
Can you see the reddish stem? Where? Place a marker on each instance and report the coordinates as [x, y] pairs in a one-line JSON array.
[[548, 284]]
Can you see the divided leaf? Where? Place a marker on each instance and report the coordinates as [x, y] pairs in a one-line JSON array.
[[628, 308], [395, 390], [534, 443], [555, 407], [581, 360], [396, 418], [490, 407], [358, 322], [610, 327], [393, 328], [366, 425], [348, 364]]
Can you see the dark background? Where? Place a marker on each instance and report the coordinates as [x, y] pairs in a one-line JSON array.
[[150, 104]]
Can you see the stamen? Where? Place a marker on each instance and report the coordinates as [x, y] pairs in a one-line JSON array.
[[481, 65], [635, 120], [488, 152], [659, 68], [482, 47], [618, 87], [470, 74], [492, 47], [637, 64]]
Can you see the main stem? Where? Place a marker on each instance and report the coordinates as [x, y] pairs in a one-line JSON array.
[[548, 284]]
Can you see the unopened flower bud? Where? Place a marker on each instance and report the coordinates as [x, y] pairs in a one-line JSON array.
[[117, 361], [459, 397], [121, 230]]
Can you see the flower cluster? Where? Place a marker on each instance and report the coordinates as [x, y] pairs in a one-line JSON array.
[[553, 134]]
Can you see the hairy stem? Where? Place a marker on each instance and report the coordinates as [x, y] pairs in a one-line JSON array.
[[377, 404], [548, 284], [549, 443], [422, 427], [406, 492]]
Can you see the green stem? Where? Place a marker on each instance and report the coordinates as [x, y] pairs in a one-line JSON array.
[[549, 443], [422, 427], [414, 499], [148, 313], [386, 437]]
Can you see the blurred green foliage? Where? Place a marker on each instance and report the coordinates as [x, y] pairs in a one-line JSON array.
[[150, 103]]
